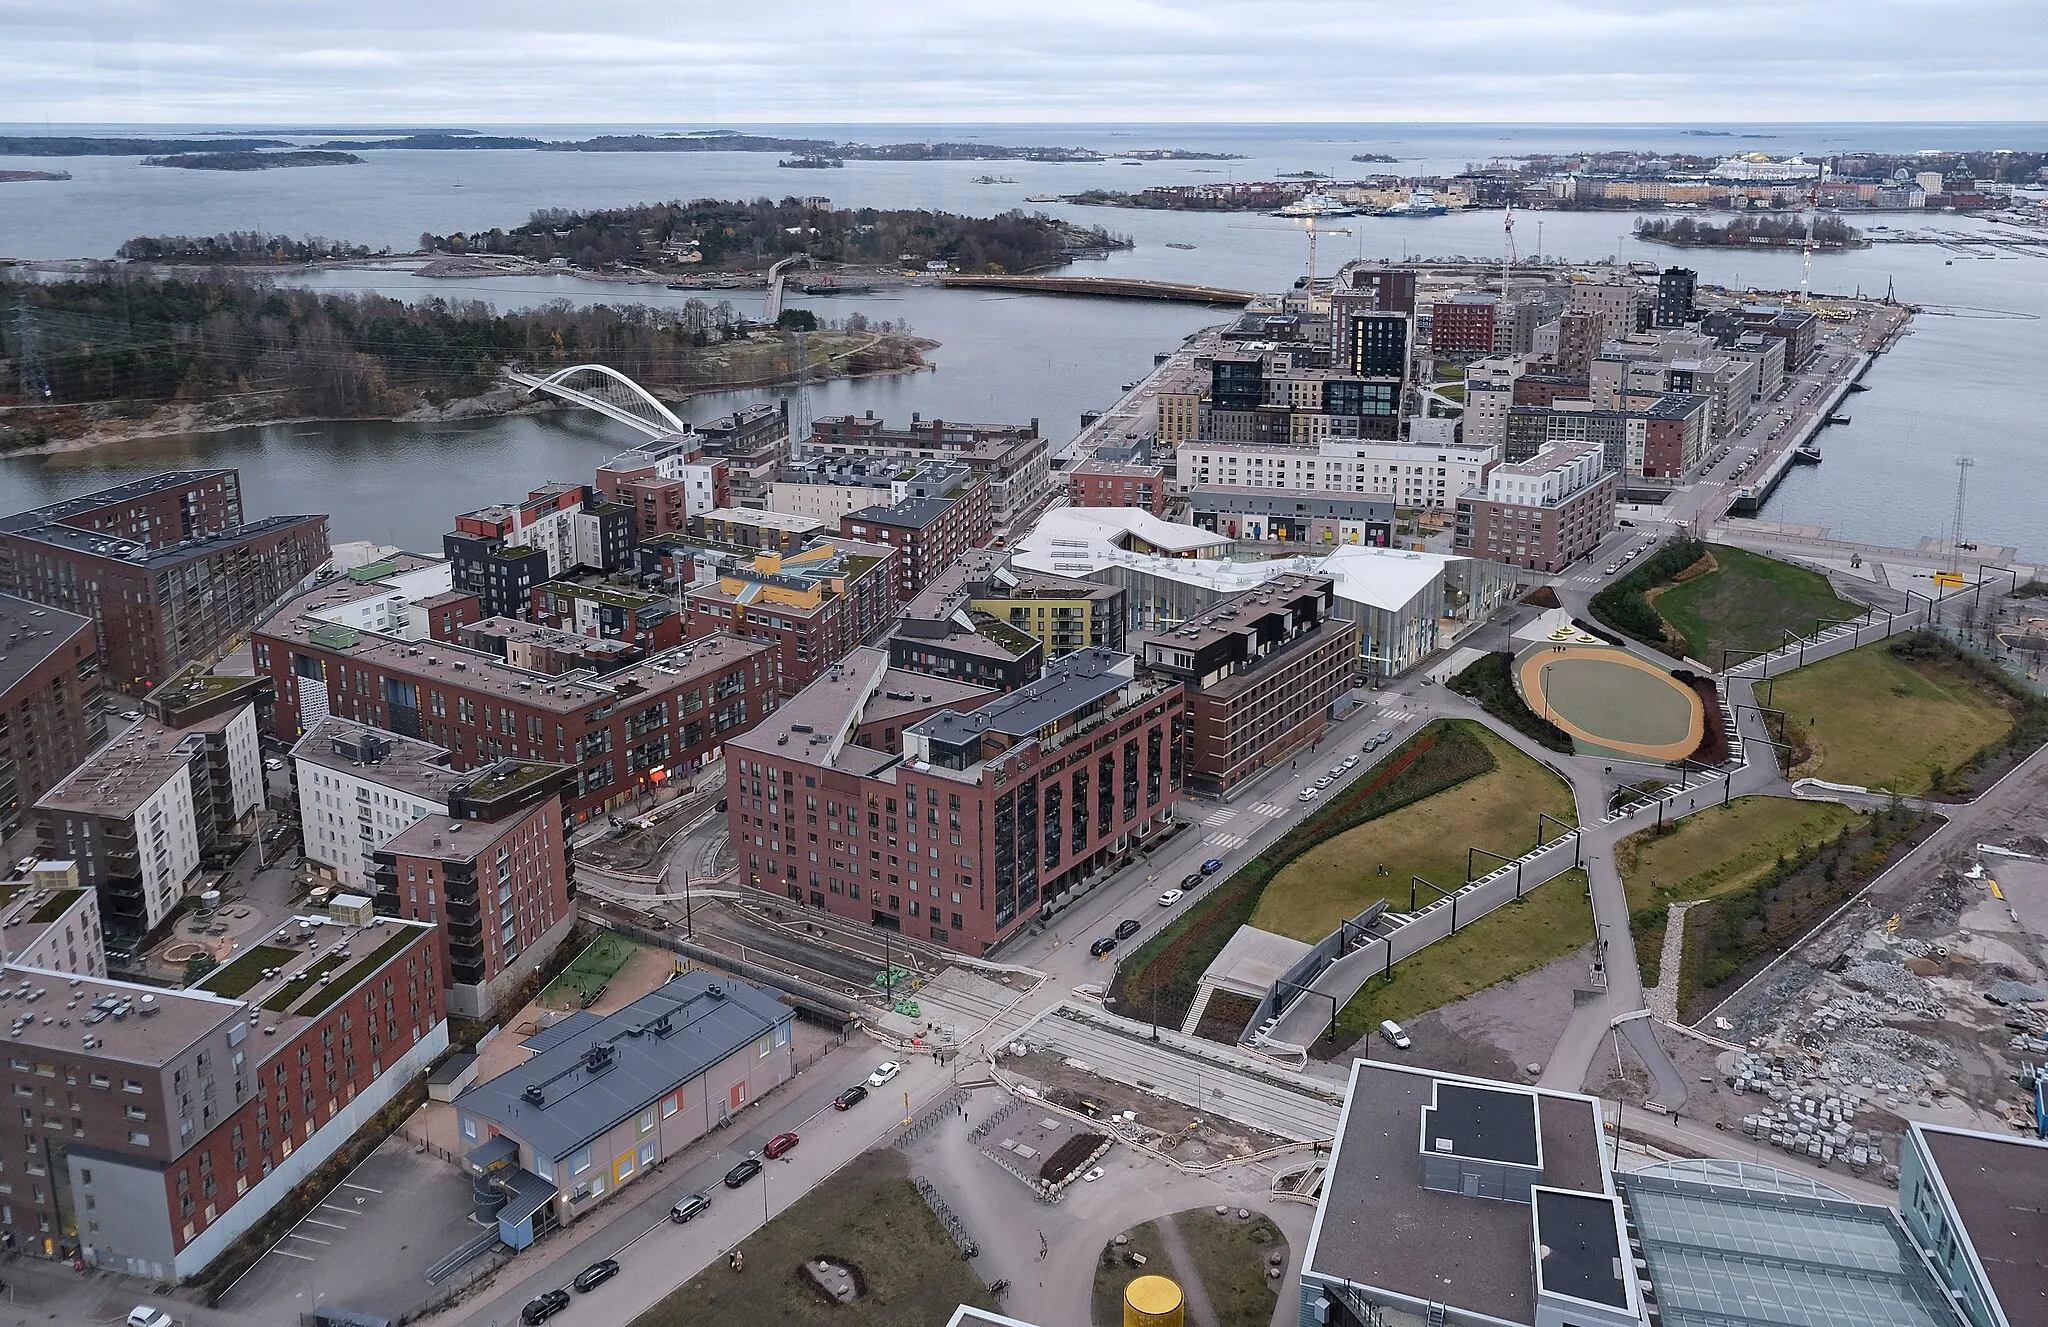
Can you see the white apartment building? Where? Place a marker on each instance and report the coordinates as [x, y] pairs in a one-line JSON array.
[[1489, 393], [379, 596], [360, 788], [1403, 473]]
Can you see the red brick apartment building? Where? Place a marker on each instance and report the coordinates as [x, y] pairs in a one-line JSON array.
[[1095, 483], [49, 671], [814, 606], [989, 811], [159, 1125], [1542, 514], [1262, 670], [620, 734], [164, 566], [928, 534]]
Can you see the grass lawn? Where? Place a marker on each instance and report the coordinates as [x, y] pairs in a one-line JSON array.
[[1337, 879], [1549, 922], [1229, 1257], [601, 960], [246, 970], [1874, 719], [1718, 849], [868, 1215], [1747, 603]]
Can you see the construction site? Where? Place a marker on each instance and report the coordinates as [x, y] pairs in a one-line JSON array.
[[1926, 998]]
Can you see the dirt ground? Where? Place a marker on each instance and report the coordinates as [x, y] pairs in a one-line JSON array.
[[1191, 1137], [1498, 1032]]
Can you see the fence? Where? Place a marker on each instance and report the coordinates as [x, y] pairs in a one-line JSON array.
[[838, 1040], [945, 1108]]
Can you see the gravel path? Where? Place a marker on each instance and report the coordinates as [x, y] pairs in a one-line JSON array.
[[1188, 1272], [1662, 999]]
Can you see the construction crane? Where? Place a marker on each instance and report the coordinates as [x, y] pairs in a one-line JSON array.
[[1806, 258], [1507, 261], [1314, 231]]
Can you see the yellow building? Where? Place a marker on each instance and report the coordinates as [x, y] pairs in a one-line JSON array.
[[1063, 615]]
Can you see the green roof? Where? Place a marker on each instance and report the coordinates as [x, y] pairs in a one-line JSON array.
[[55, 906], [245, 971], [373, 571], [344, 982], [505, 777]]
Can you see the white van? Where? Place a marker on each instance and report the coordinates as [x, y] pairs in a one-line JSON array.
[[1394, 1035]]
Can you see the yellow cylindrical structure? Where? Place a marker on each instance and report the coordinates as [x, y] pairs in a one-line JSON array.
[[1153, 1301]]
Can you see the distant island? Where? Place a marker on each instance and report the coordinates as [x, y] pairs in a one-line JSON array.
[[28, 145], [811, 163], [469, 140], [328, 132], [1781, 231], [243, 248], [252, 160], [1374, 156], [709, 234], [15, 176]]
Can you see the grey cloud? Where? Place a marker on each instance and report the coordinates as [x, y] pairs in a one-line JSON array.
[[524, 62]]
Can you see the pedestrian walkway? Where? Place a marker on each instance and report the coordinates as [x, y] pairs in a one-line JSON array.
[[1216, 818], [1662, 999], [1268, 810], [1226, 841]]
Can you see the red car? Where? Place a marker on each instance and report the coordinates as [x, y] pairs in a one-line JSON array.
[[780, 1143]]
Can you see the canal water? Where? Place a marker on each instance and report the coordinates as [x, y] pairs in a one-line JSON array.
[[1966, 381]]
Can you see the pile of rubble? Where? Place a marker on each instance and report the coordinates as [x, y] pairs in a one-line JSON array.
[[1821, 1132], [1812, 1118]]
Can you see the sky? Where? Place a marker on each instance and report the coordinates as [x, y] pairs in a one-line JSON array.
[[273, 63]]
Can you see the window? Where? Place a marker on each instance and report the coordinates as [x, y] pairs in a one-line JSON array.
[[579, 1161], [671, 1103]]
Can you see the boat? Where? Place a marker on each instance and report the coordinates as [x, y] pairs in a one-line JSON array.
[[1837, 419], [1807, 455], [1315, 204], [1421, 203], [1045, 198], [1176, 244]]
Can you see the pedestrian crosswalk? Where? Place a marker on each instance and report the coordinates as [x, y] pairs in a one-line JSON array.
[[1215, 818], [1268, 810], [1226, 841]]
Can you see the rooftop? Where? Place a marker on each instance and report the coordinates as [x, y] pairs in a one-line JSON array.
[[608, 1071], [1999, 1187], [1556, 456], [1070, 683], [771, 520], [101, 544], [815, 726], [1237, 613], [406, 764], [911, 513], [117, 779], [1377, 1226], [1579, 1242], [480, 671], [452, 840], [30, 634], [62, 511], [1721, 1254]]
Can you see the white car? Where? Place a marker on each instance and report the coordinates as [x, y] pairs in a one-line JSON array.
[[884, 1071], [1093, 1174], [1337, 771], [1171, 897], [1308, 794], [1323, 783], [273, 763], [1350, 762], [145, 1315]]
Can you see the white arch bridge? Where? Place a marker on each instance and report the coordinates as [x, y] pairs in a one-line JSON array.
[[610, 393]]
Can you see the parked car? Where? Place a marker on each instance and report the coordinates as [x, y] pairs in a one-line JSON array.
[[1613, 567], [148, 1315], [721, 806], [595, 1275], [543, 1306], [743, 1172], [1324, 782], [1212, 866], [884, 1071], [1190, 880], [688, 1208], [1394, 1035], [851, 1097], [781, 1143], [1372, 744], [1384, 735], [1308, 794], [1102, 945], [1350, 762], [1127, 928], [1171, 897], [273, 763], [1337, 771]]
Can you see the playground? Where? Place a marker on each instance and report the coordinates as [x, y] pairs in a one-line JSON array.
[[1611, 702]]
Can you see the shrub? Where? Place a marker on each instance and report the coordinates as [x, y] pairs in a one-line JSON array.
[[1623, 605], [1491, 683]]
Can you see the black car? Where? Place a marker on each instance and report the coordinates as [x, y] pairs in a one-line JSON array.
[[543, 1306], [851, 1097], [743, 1172], [1126, 928], [595, 1275], [721, 805], [1102, 946], [1192, 881]]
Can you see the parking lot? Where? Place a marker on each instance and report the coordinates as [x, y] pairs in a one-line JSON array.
[[368, 1244]]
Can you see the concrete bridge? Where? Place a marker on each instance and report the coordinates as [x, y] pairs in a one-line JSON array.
[[1109, 287]]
